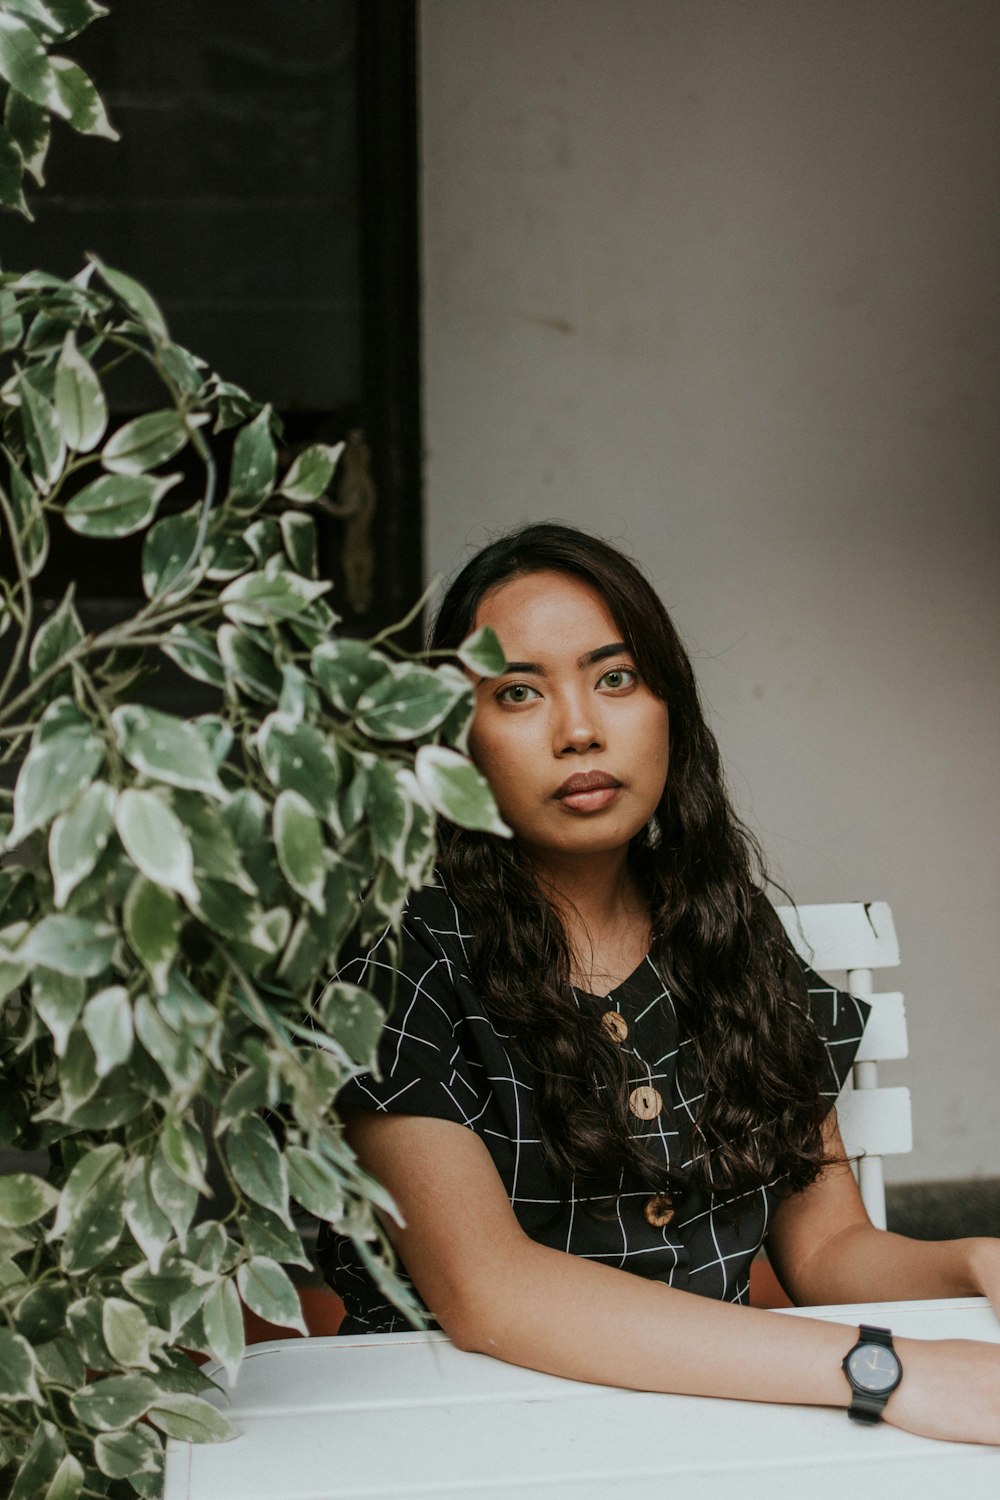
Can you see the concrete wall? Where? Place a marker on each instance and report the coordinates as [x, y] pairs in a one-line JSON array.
[[718, 280]]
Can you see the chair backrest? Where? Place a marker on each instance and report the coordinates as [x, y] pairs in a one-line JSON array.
[[854, 938]]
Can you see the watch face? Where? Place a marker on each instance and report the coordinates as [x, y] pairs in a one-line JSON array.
[[873, 1368]]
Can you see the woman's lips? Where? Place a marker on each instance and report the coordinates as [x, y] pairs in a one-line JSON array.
[[588, 791]]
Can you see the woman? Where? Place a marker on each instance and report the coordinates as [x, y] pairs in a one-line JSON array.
[[605, 1080]]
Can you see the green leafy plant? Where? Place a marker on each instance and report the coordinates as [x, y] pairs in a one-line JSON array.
[[174, 892]]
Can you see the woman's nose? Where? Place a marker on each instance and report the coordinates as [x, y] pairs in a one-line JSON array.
[[578, 727]]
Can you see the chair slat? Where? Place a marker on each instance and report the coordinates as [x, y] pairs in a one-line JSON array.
[[885, 1038], [844, 935], [877, 1121]]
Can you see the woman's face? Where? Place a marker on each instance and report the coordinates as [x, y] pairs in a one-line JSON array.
[[572, 741]]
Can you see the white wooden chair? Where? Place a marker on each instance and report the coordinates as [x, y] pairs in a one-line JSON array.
[[855, 937]]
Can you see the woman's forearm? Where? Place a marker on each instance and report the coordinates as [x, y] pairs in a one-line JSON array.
[[576, 1318], [550, 1311], [864, 1264]]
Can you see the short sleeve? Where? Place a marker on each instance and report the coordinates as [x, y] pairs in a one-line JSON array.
[[425, 1064], [840, 1020]]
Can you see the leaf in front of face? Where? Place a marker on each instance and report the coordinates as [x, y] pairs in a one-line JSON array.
[[18, 1369], [58, 1000], [24, 1199], [345, 668], [114, 1402], [107, 1020], [43, 438], [299, 846], [54, 772], [191, 1420], [144, 442], [82, 103], [310, 475], [407, 705], [58, 635], [32, 527], [117, 504], [268, 1291], [255, 463], [454, 788], [156, 842], [79, 837], [80, 405], [135, 1454], [297, 757], [482, 653], [70, 945], [257, 1165], [91, 1207]]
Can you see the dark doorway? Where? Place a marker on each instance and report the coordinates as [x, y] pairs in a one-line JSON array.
[[265, 189]]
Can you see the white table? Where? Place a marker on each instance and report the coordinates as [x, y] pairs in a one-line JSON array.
[[406, 1415]]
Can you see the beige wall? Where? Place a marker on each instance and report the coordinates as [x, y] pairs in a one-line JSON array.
[[718, 279]]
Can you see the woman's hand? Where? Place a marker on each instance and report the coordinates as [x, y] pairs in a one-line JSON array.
[[950, 1389], [984, 1267]]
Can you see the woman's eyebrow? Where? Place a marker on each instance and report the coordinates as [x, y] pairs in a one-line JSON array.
[[588, 659], [615, 648]]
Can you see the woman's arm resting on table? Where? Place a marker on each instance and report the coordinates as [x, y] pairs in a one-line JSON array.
[[497, 1292]]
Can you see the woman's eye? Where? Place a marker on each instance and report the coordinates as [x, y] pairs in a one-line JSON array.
[[619, 677], [516, 692]]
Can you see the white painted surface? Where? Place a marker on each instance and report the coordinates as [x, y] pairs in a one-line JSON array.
[[409, 1415], [719, 281]]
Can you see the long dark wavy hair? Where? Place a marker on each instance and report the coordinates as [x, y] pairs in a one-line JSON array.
[[715, 939]]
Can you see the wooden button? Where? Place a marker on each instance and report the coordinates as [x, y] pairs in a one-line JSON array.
[[659, 1211], [615, 1025], [645, 1102]]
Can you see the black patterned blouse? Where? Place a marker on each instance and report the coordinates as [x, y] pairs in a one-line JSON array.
[[441, 1055]]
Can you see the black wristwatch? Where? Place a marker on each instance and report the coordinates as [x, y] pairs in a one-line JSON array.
[[873, 1369]]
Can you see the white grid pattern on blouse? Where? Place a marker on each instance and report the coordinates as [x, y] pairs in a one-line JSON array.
[[441, 1055]]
